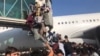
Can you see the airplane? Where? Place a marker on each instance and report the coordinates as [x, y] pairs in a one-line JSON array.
[[79, 28]]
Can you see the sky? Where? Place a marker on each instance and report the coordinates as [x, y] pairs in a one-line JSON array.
[[71, 7]]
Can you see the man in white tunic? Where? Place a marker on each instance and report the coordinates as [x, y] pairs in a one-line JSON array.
[[61, 47], [41, 2]]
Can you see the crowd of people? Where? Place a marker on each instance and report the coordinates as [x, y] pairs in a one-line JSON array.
[[53, 45], [59, 47]]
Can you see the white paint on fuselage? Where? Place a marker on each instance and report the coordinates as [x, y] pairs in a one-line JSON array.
[[76, 24]]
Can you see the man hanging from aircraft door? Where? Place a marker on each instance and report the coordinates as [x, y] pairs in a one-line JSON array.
[[48, 18], [41, 12]]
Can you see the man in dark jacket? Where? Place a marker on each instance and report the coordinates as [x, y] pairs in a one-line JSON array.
[[67, 46]]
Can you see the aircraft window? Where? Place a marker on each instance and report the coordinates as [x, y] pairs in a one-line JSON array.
[[65, 22], [86, 20], [83, 20], [94, 20], [69, 22], [62, 23], [97, 19], [72, 21], [76, 21], [58, 22], [90, 20]]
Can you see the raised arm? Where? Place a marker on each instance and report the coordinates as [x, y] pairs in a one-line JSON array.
[[51, 53]]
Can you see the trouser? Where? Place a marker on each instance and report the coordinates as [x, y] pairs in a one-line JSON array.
[[37, 36]]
